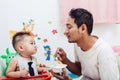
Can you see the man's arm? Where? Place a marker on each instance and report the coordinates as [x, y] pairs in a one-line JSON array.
[[73, 67]]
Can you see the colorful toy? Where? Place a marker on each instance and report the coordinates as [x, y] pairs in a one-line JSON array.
[[1, 68], [8, 57], [42, 65], [48, 51]]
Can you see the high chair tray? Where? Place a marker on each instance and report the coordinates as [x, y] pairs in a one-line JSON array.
[[39, 77]]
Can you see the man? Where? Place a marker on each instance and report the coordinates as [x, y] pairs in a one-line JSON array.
[[94, 58]]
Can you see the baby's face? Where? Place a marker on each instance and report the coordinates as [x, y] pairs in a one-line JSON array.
[[29, 46]]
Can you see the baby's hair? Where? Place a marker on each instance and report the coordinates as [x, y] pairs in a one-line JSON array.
[[19, 37]]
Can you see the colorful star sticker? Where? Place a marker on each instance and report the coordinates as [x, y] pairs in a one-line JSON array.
[[45, 40], [54, 31], [39, 38], [49, 22]]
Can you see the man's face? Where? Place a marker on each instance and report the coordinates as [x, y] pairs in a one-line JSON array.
[[72, 31]]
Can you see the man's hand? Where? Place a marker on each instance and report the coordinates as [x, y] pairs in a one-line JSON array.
[[60, 54], [62, 76]]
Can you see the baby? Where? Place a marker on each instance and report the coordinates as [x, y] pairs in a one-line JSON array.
[[24, 64]]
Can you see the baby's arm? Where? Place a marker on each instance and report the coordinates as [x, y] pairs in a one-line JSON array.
[[11, 70]]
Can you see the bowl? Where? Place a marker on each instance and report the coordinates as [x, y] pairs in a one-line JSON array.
[[57, 68]]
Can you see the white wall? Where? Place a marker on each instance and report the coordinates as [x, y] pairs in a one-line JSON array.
[[14, 12], [110, 32]]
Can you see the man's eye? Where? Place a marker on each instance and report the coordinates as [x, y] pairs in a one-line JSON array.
[[69, 26]]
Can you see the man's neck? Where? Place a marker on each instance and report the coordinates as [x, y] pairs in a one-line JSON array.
[[87, 43]]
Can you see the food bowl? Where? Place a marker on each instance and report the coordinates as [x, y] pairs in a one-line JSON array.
[[57, 68]]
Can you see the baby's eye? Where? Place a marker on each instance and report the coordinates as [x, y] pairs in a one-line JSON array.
[[33, 43]]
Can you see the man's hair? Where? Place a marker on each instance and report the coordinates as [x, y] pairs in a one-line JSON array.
[[18, 37], [82, 16]]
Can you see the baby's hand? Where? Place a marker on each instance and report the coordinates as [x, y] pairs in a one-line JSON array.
[[44, 69], [24, 73]]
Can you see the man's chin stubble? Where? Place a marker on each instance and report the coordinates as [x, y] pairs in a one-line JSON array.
[[71, 41]]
